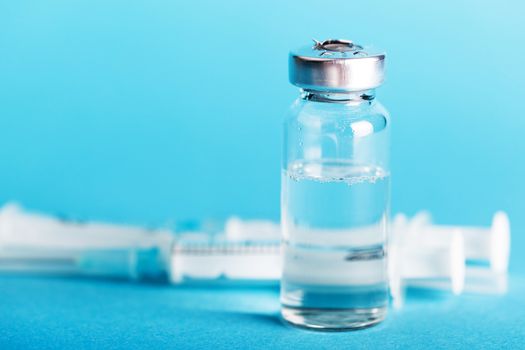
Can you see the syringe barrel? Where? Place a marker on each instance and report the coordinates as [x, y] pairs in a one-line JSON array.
[[226, 261], [34, 243], [490, 245], [477, 240]]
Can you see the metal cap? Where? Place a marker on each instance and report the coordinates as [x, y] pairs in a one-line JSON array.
[[336, 65]]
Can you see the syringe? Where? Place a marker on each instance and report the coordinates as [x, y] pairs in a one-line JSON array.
[[476, 258], [40, 244], [420, 254]]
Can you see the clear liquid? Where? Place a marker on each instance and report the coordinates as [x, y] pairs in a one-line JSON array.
[[334, 226]]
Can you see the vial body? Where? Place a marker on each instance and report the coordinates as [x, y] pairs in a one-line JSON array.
[[334, 211]]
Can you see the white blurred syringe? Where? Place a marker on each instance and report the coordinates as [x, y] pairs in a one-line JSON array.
[[40, 244], [420, 254]]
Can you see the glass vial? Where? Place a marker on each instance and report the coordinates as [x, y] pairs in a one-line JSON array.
[[335, 189]]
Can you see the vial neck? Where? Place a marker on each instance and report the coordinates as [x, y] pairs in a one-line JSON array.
[[352, 98]]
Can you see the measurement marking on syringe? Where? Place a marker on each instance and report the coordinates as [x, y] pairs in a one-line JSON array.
[[221, 250]]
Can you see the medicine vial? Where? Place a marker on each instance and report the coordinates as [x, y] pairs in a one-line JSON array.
[[335, 189]]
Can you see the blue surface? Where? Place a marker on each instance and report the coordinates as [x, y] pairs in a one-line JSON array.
[[150, 112], [60, 313]]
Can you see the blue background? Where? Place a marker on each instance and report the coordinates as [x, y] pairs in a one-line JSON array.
[[147, 112]]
